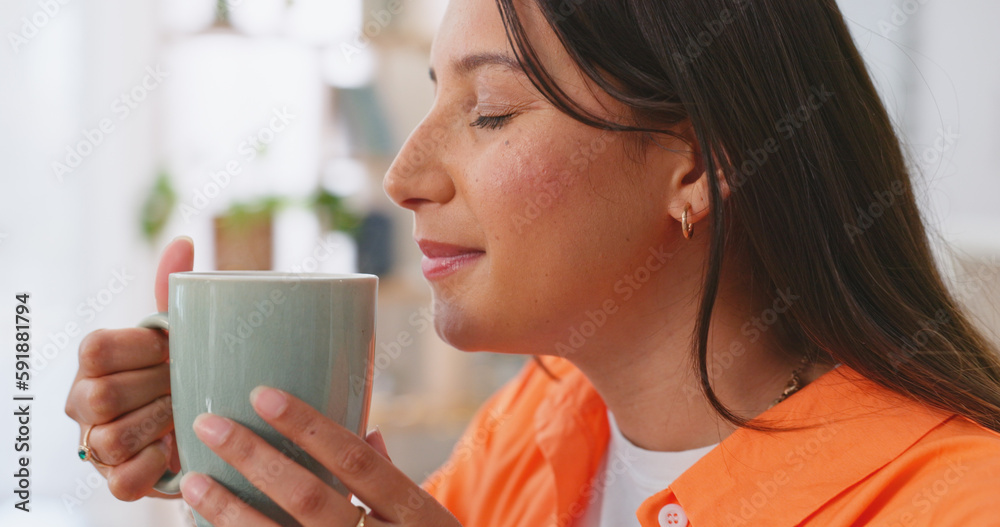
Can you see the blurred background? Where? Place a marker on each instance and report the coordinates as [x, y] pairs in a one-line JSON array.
[[262, 129]]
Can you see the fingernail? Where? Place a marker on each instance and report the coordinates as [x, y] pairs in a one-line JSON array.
[[375, 439], [269, 402], [193, 487], [212, 429], [183, 237]]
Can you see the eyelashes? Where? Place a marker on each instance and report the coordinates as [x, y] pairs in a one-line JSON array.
[[491, 122]]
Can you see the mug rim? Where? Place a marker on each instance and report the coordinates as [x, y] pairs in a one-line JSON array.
[[271, 275]]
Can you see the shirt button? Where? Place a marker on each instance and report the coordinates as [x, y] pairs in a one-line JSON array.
[[672, 515]]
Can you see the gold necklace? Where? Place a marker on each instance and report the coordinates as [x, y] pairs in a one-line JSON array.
[[794, 384]]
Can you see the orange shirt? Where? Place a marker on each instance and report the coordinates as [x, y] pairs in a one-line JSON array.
[[530, 455]]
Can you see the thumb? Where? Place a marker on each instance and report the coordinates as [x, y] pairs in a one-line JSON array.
[[177, 257], [376, 441]]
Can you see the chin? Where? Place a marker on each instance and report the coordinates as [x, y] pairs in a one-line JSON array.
[[468, 334], [465, 334], [459, 333]]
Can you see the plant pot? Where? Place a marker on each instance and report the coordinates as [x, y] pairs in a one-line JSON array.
[[244, 242]]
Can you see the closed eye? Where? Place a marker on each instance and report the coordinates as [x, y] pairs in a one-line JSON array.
[[491, 122]]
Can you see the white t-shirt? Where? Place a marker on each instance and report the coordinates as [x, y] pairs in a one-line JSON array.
[[628, 475]]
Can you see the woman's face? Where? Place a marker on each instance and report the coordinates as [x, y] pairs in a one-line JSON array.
[[543, 217]]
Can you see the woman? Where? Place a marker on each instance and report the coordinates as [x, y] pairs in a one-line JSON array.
[[697, 218]]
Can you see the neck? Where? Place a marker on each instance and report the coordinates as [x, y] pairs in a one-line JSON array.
[[649, 381], [657, 399]]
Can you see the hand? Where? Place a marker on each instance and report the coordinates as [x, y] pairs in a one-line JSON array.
[[123, 388], [395, 500]]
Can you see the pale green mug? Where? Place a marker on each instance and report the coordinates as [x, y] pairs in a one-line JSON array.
[[312, 335]]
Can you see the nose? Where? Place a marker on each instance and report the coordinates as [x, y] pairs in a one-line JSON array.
[[420, 174]]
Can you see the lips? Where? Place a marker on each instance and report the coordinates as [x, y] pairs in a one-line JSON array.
[[442, 259]]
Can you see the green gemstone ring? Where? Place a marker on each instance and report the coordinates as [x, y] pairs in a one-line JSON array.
[[86, 453]]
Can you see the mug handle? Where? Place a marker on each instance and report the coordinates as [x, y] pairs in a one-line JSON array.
[[170, 482]]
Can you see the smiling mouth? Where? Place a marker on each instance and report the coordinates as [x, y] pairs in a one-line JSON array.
[[443, 259]]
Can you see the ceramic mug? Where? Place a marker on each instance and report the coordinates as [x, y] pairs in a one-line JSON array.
[[312, 335]]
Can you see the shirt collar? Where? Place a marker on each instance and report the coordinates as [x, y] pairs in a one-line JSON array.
[[853, 428], [571, 430]]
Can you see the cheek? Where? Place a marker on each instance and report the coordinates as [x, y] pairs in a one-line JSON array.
[[552, 210], [559, 225], [528, 184]]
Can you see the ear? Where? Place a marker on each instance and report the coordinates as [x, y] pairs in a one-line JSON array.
[[696, 194], [688, 179]]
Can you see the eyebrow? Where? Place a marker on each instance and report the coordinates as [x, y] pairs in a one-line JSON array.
[[472, 62]]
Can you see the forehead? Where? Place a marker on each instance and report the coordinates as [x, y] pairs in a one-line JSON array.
[[469, 26], [475, 27]]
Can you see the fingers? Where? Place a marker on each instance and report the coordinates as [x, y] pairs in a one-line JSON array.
[[103, 399], [219, 506], [177, 257], [104, 351], [135, 477], [370, 476], [376, 441], [120, 440], [290, 485]]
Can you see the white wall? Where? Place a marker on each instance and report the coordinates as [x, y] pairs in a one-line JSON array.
[[936, 64], [65, 240]]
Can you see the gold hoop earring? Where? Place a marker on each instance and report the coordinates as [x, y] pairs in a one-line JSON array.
[[687, 229]]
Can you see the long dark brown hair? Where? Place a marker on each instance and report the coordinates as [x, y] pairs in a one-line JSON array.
[[779, 99]]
